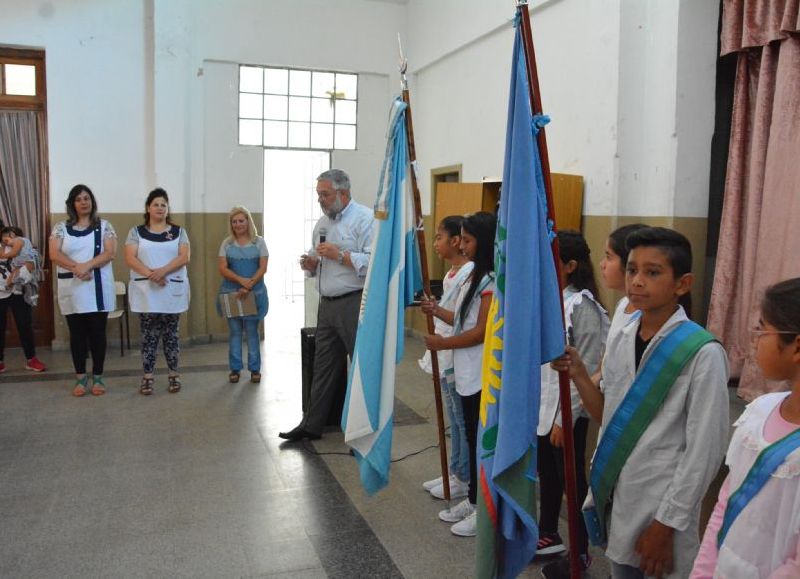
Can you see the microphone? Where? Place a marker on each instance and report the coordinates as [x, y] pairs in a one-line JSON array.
[[323, 233]]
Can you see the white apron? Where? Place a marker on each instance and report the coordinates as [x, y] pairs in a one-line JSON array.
[[76, 296], [549, 402], [157, 250]]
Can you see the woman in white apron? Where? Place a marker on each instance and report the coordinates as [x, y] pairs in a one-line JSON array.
[[82, 248], [157, 253]]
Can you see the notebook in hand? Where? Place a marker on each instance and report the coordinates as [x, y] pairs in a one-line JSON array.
[[232, 307]]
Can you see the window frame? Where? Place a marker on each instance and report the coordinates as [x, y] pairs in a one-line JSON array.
[[288, 121], [27, 57]]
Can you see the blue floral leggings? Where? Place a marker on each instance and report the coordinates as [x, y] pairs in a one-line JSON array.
[[155, 328]]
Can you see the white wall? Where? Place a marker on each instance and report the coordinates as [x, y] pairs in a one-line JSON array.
[[460, 96], [666, 107], [646, 121], [696, 83], [127, 85], [95, 90], [629, 86], [198, 47]]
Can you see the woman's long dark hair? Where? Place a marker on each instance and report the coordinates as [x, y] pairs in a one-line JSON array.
[[72, 215], [155, 194], [481, 226], [573, 247]]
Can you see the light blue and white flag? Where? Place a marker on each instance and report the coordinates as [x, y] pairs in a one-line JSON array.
[[394, 276]]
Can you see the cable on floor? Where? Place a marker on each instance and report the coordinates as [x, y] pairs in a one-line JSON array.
[[309, 449]]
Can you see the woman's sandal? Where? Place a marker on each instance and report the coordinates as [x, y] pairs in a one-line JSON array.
[[174, 384], [98, 388], [233, 377], [255, 377], [146, 387], [80, 387]]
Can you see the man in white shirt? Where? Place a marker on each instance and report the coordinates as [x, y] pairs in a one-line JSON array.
[[342, 241]]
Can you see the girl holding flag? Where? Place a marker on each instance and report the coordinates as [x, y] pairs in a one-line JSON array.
[[754, 530], [469, 326], [447, 245], [587, 325]]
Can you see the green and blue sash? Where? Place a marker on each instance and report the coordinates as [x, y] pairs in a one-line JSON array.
[[766, 463], [634, 415]]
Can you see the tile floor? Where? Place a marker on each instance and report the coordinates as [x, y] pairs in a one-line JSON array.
[[198, 484]]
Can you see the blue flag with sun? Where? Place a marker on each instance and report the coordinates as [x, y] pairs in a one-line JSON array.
[[524, 330]]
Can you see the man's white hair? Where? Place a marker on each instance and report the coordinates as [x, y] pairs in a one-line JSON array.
[[338, 178]]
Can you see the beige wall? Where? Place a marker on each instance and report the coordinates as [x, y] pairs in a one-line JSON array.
[[206, 231]]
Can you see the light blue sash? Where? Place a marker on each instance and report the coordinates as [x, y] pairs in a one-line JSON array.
[[767, 462], [634, 415]]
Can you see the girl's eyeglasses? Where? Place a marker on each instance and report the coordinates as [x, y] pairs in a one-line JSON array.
[[758, 331]]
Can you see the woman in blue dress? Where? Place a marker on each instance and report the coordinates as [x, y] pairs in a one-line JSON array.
[[242, 263]]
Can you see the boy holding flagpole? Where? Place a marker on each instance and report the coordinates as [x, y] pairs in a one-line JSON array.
[[663, 408]]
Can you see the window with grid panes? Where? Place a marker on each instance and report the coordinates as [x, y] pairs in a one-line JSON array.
[[297, 109]]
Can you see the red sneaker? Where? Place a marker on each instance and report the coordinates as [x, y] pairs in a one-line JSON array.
[[35, 364], [2, 367]]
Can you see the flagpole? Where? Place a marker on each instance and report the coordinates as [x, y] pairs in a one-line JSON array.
[[426, 282], [563, 377]]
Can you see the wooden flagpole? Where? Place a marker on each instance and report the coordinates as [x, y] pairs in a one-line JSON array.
[[426, 282], [563, 377]]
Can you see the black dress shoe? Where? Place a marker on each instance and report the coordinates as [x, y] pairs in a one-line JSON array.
[[298, 433]]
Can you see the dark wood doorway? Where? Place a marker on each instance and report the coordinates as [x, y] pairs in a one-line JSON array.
[[23, 90]]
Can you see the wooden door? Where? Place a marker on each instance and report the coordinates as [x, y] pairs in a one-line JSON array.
[[16, 98], [457, 199], [567, 200]]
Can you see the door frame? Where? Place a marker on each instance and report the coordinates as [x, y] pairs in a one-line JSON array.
[[438, 175], [44, 312]]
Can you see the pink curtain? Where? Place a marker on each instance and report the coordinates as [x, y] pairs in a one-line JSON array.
[[760, 231]]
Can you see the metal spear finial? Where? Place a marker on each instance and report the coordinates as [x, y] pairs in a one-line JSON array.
[[402, 63]]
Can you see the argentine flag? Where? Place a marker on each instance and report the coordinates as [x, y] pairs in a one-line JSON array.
[[393, 278]]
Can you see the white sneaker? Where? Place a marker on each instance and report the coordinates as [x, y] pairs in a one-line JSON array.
[[458, 489], [457, 513], [468, 527], [429, 484]]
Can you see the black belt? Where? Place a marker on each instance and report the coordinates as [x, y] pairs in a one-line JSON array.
[[347, 295], [68, 275]]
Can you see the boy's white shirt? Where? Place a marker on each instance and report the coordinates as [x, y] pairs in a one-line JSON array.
[[748, 552], [677, 457]]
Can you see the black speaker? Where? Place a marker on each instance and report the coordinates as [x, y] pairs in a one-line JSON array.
[[307, 349]]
